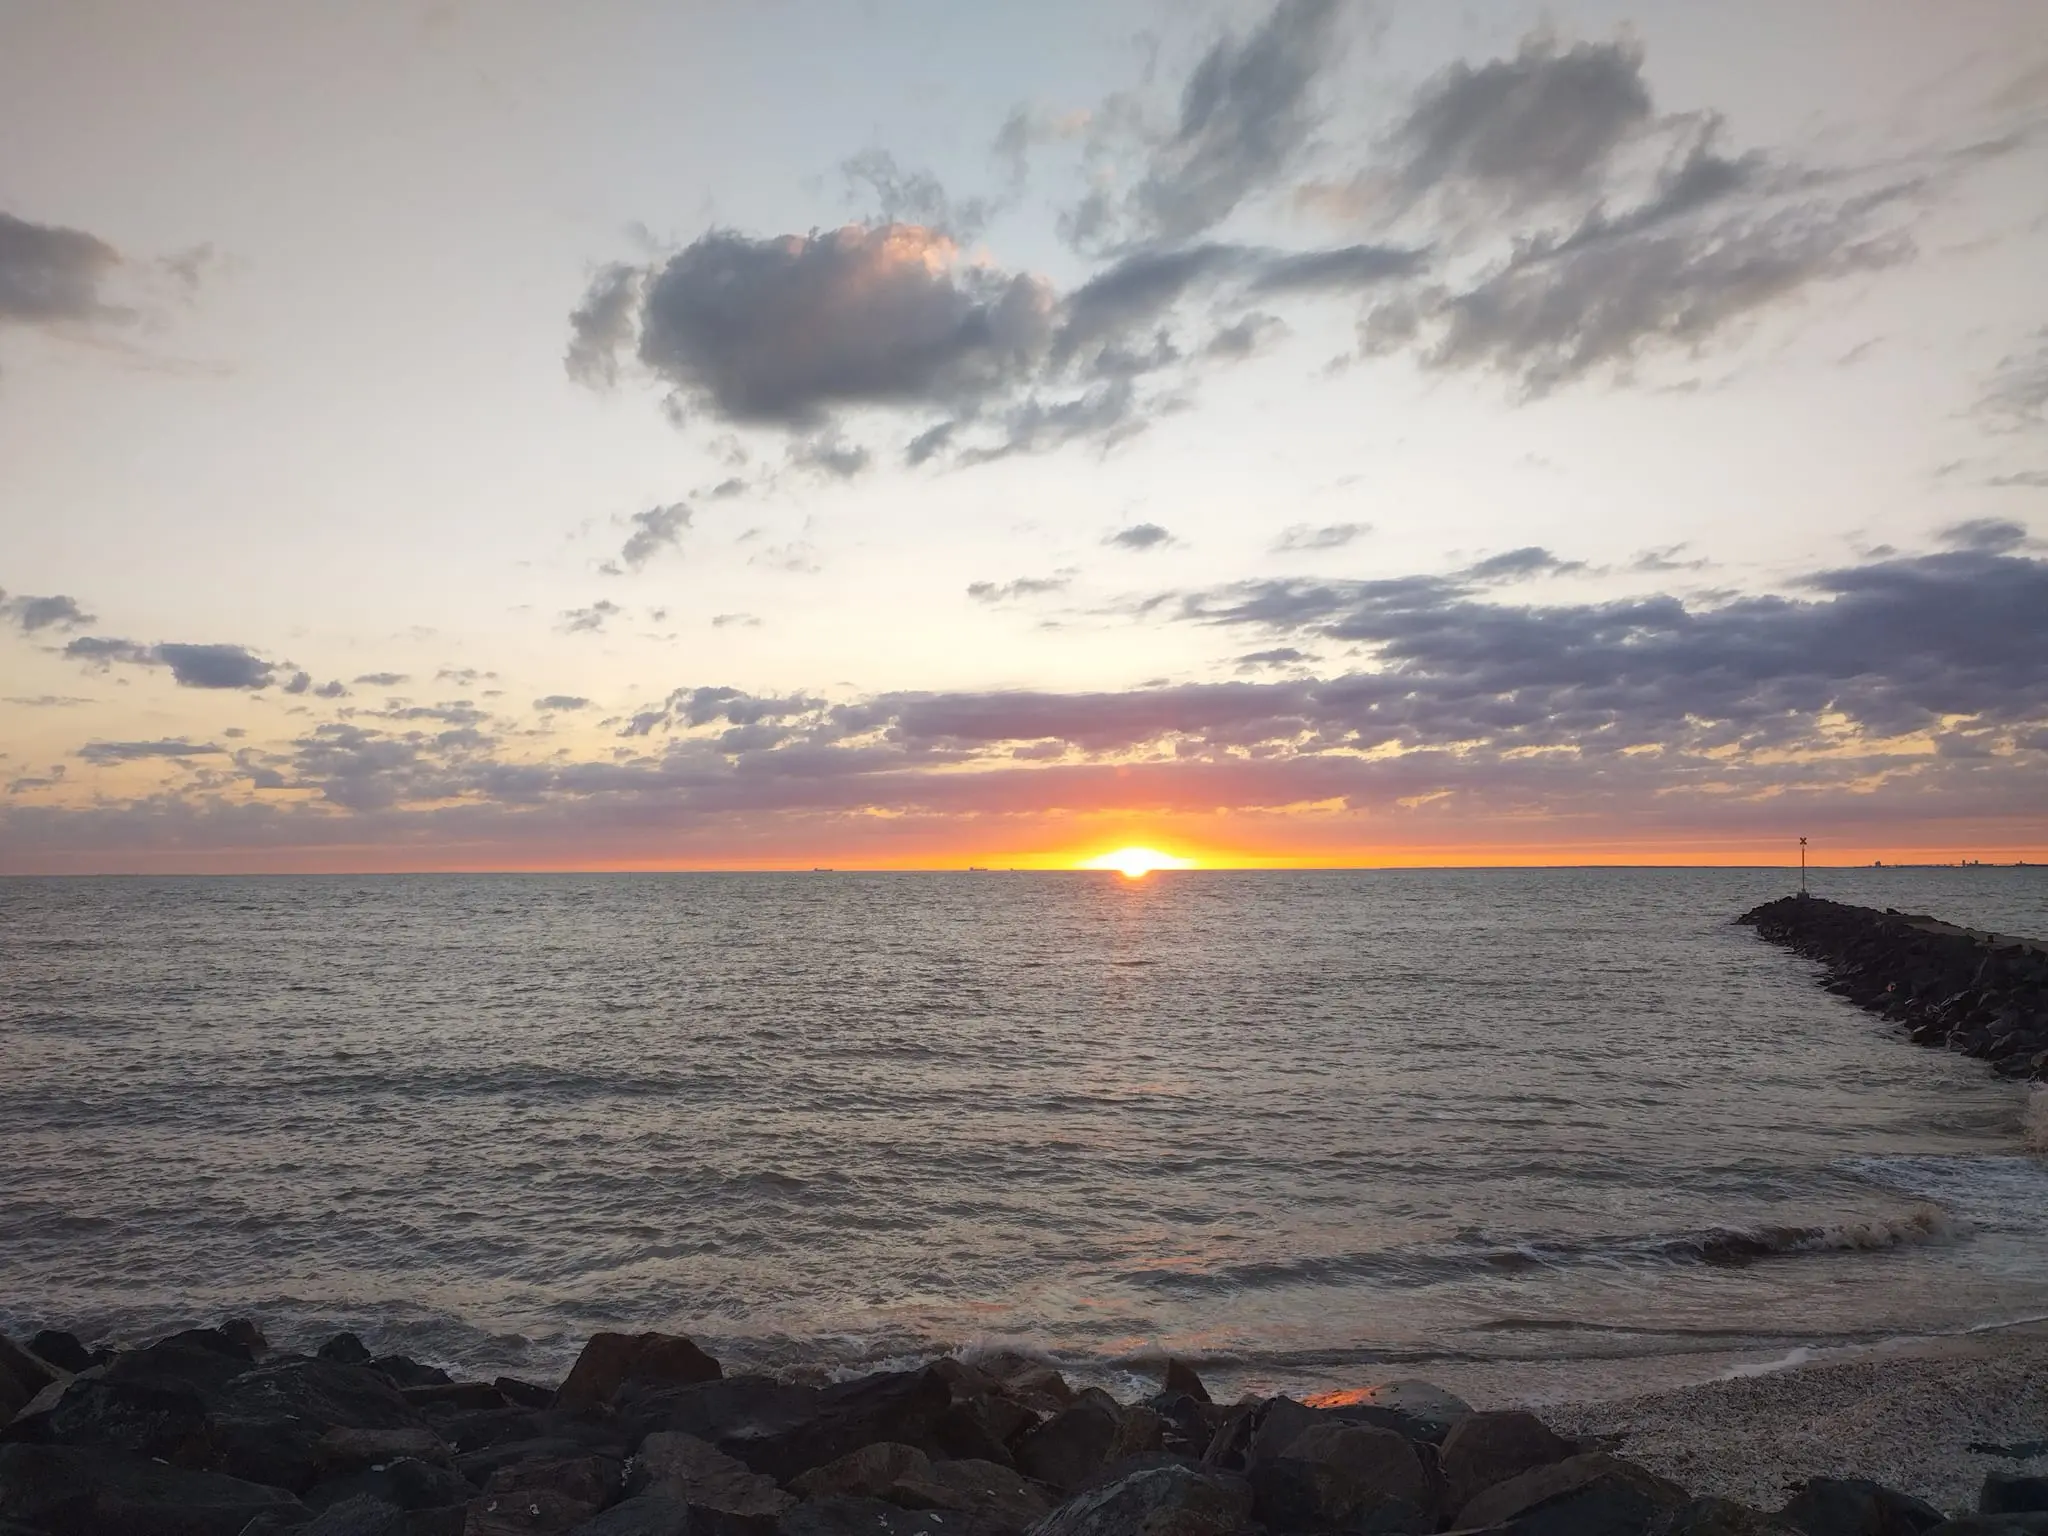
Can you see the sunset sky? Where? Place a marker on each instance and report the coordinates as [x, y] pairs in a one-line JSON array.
[[761, 433]]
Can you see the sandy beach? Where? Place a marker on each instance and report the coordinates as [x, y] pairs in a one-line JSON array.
[[1905, 1416]]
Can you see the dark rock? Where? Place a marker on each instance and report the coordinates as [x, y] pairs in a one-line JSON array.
[[1854, 1506], [362, 1515], [28, 1371], [63, 1350], [466, 1432], [481, 1466], [2018, 1523], [2012, 1493], [1186, 1426], [1001, 1496], [404, 1372], [80, 1491], [736, 1406], [403, 1484], [1483, 1449], [1418, 1409], [1351, 1477], [1025, 1380], [345, 1349], [1593, 1494], [1723, 1517], [240, 1345], [1166, 1501], [1181, 1378], [546, 1496], [980, 1429], [645, 1514], [840, 1515], [277, 1423], [1275, 1425], [469, 1396], [904, 1406], [524, 1394], [244, 1333], [1069, 1448], [343, 1450], [610, 1360], [706, 1480], [901, 1474], [163, 1420]]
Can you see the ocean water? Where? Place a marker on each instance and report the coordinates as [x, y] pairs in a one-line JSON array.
[[1526, 1133]]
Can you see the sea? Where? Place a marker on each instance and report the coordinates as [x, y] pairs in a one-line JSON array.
[[1529, 1134]]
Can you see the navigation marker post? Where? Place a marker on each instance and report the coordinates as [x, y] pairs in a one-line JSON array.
[[1802, 866]]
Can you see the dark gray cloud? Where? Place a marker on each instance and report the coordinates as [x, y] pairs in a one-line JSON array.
[[2027, 479], [215, 666], [654, 530], [830, 457], [1023, 586], [192, 666], [103, 752], [298, 682], [1343, 269], [1989, 535], [591, 620], [1277, 656], [2017, 395], [382, 679], [1520, 565], [1245, 112], [35, 613], [781, 332], [1537, 126], [1139, 536], [49, 274], [1304, 536], [330, 690], [562, 702]]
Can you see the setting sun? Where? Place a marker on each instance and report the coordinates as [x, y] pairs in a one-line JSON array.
[[1134, 863]]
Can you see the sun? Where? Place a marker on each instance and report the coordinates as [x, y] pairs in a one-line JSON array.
[[1136, 863]]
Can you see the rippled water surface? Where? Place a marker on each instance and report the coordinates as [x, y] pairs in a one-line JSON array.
[[1311, 1128]]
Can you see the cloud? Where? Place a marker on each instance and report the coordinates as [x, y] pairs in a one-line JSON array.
[[104, 752], [1989, 535], [1278, 656], [330, 690], [1139, 536], [830, 457], [50, 275], [36, 613], [602, 325], [1657, 561], [734, 621], [1303, 536], [654, 530], [215, 666], [2028, 479], [911, 197], [562, 702], [1245, 112], [784, 331], [2017, 394], [48, 701], [192, 666], [1538, 126], [1520, 565], [591, 620], [1011, 591], [1907, 690], [382, 679]]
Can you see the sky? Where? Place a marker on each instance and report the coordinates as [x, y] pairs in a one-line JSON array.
[[897, 433]]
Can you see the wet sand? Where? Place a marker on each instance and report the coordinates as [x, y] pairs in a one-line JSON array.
[[1904, 1415]]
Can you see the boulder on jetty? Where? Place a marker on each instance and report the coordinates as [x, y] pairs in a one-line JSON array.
[[209, 1433], [1983, 994]]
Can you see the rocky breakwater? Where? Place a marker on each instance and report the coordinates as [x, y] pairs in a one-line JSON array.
[[1983, 994], [207, 1433]]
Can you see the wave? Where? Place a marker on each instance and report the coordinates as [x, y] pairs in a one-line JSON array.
[[1718, 1247], [2034, 1120]]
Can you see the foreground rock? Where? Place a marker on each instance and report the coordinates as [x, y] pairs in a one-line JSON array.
[[207, 1433], [1979, 993]]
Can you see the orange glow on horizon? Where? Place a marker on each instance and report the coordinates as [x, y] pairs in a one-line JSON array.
[[1134, 863]]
